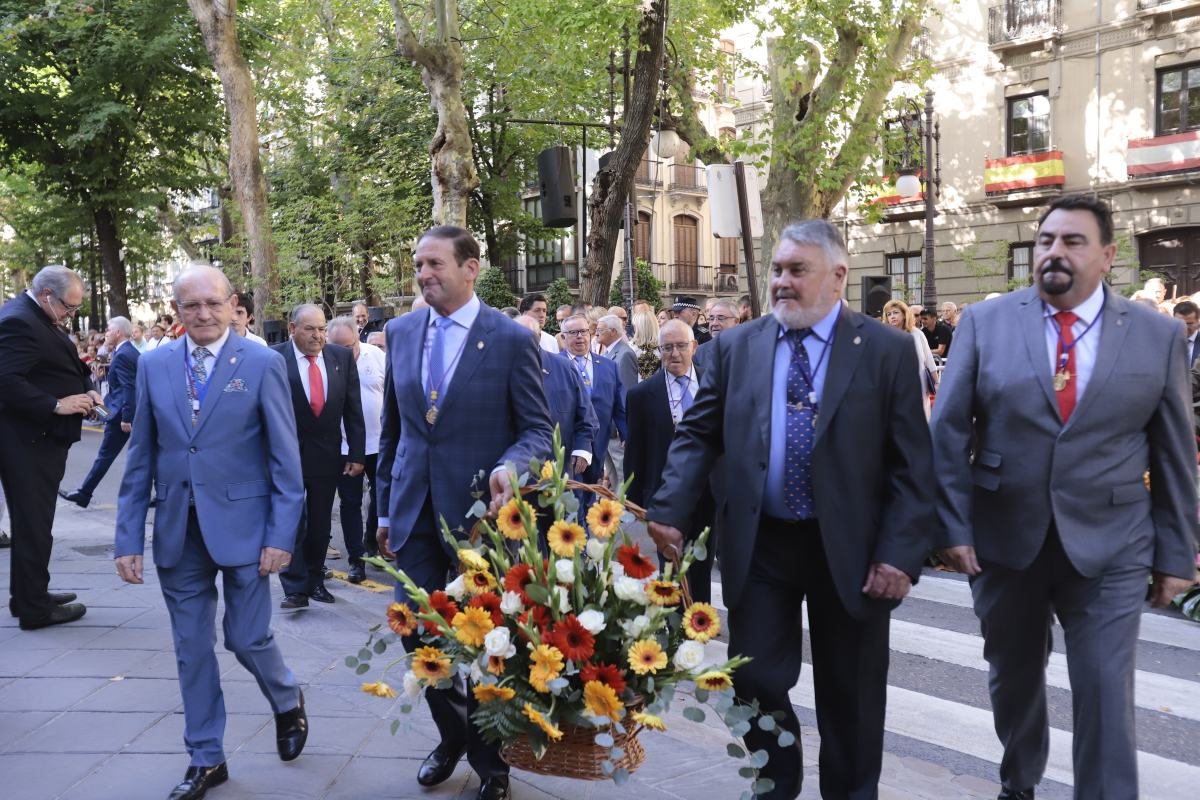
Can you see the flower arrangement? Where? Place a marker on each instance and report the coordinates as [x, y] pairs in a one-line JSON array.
[[580, 635]]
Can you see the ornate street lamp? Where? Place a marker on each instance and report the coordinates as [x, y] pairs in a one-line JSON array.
[[924, 177]]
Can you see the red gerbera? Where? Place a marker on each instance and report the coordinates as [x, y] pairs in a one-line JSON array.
[[636, 565], [575, 641], [491, 602], [541, 618], [607, 674], [517, 578], [440, 602]]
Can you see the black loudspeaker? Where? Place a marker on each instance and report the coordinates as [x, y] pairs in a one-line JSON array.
[[274, 331], [379, 314], [876, 291], [556, 174]]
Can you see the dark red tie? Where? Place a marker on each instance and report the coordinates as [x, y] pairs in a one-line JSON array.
[[1066, 337], [316, 389]]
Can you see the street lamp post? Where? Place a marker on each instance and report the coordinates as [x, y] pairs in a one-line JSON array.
[[919, 124]]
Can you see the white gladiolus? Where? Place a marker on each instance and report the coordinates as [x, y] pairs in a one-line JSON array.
[[510, 604], [564, 571], [564, 599], [593, 621], [496, 643], [595, 549], [630, 589], [689, 656], [412, 685], [618, 569], [635, 627], [457, 588]]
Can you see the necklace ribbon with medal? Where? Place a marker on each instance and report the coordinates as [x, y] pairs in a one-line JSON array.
[[431, 414], [198, 390], [1062, 375], [809, 378]]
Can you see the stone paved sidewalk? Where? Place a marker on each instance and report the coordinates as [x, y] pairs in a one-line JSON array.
[[91, 710]]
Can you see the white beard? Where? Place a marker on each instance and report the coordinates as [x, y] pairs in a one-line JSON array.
[[792, 318]]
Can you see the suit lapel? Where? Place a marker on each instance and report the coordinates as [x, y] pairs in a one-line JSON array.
[[848, 344], [761, 360], [1033, 327], [334, 377], [473, 352], [412, 351], [294, 382], [177, 377], [228, 363], [1113, 329]]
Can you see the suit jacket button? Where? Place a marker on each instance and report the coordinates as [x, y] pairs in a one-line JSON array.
[[191, 450], [185, 484]]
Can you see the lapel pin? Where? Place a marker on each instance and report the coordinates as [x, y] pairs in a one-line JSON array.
[[1120, 322], [233, 360], [858, 340], [479, 345]]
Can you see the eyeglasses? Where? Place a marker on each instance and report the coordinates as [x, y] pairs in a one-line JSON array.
[[580, 332], [680, 347], [722, 318], [192, 306], [70, 309]]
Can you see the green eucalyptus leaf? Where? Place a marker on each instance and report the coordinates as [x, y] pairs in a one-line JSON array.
[[735, 750], [604, 739], [694, 713], [362, 669]]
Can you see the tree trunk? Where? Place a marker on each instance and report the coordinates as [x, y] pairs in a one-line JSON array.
[[218, 25], [606, 206], [170, 221], [113, 268]]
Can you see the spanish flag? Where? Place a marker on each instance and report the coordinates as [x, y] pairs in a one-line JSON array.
[[1024, 172]]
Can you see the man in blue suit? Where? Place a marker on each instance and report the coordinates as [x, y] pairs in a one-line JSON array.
[[120, 402], [462, 400], [216, 436], [604, 388]]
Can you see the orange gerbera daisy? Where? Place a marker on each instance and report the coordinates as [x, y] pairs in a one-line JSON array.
[[440, 602], [715, 681], [663, 593], [490, 602], [602, 701], [566, 538], [401, 619], [646, 657], [636, 565], [510, 522], [379, 689], [487, 692], [471, 625], [517, 578], [479, 580], [575, 641], [546, 725], [605, 673], [545, 664], [604, 517], [700, 622], [651, 721], [495, 665], [430, 665]]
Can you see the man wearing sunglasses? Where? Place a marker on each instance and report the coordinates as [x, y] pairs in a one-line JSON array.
[[45, 392]]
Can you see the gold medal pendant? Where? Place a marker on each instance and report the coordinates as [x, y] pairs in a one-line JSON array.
[[1060, 380], [431, 415]]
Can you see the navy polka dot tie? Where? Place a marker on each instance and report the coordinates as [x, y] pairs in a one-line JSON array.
[[797, 463]]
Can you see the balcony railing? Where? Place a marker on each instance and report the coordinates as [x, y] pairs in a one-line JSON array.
[[1020, 20], [685, 276], [1150, 5], [649, 173], [685, 177]]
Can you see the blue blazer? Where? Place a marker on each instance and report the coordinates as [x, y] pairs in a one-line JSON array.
[[569, 406], [494, 412], [240, 461], [122, 380], [608, 401]]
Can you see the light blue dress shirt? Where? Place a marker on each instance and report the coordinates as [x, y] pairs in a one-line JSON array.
[[822, 336], [454, 343]]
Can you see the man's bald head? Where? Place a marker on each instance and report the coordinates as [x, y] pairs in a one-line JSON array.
[[202, 299], [530, 324]]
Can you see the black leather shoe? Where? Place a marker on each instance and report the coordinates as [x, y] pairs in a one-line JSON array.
[[1015, 794], [75, 497], [494, 789], [58, 598], [439, 765], [358, 572], [198, 780], [321, 595], [57, 616], [291, 731], [295, 601]]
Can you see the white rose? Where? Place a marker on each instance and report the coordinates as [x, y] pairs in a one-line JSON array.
[[457, 588], [635, 627], [593, 621], [564, 599], [618, 569], [510, 604], [564, 571], [412, 685], [630, 589], [496, 642], [595, 549], [689, 656]]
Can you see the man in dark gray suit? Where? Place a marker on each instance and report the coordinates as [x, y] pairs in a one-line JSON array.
[[1042, 440], [610, 330], [817, 410]]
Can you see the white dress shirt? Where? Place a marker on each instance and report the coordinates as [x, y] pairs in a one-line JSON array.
[[1191, 348], [372, 366], [210, 362], [254, 337], [302, 367], [454, 341], [548, 342], [675, 394], [1087, 347]]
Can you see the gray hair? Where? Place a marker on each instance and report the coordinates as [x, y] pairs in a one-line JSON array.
[[123, 325], [343, 321], [57, 278], [614, 322], [818, 233], [191, 273], [303, 308], [583, 317], [726, 304], [673, 324]]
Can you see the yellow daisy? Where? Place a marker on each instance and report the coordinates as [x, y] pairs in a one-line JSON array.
[[566, 538], [546, 725], [510, 522], [646, 657], [715, 681], [700, 622], [604, 518], [379, 689], [401, 619], [472, 560], [663, 593], [431, 664], [487, 692], [478, 581], [601, 701], [651, 721], [545, 664], [471, 625]]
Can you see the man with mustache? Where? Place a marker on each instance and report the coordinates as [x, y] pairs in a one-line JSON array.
[[1046, 454], [817, 411]]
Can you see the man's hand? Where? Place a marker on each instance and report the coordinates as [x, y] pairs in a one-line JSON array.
[[885, 582], [353, 469], [130, 568], [76, 404], [126, 427], [669, 540], [273, 560], [96, 398], [502, 491], [960, 559], [381, 539], [579, 464], [1164, 587]]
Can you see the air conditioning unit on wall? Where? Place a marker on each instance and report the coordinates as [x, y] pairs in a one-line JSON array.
[[727, 283]]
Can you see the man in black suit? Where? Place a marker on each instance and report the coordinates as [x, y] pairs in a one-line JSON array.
[[817, 411], [120, 402], [326, 397], [45, 392], [652, 410], [362, 318]]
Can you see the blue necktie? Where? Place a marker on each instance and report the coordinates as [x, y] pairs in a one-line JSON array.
[[437, 360], [797, 463], [685, 397], [581, 362]]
